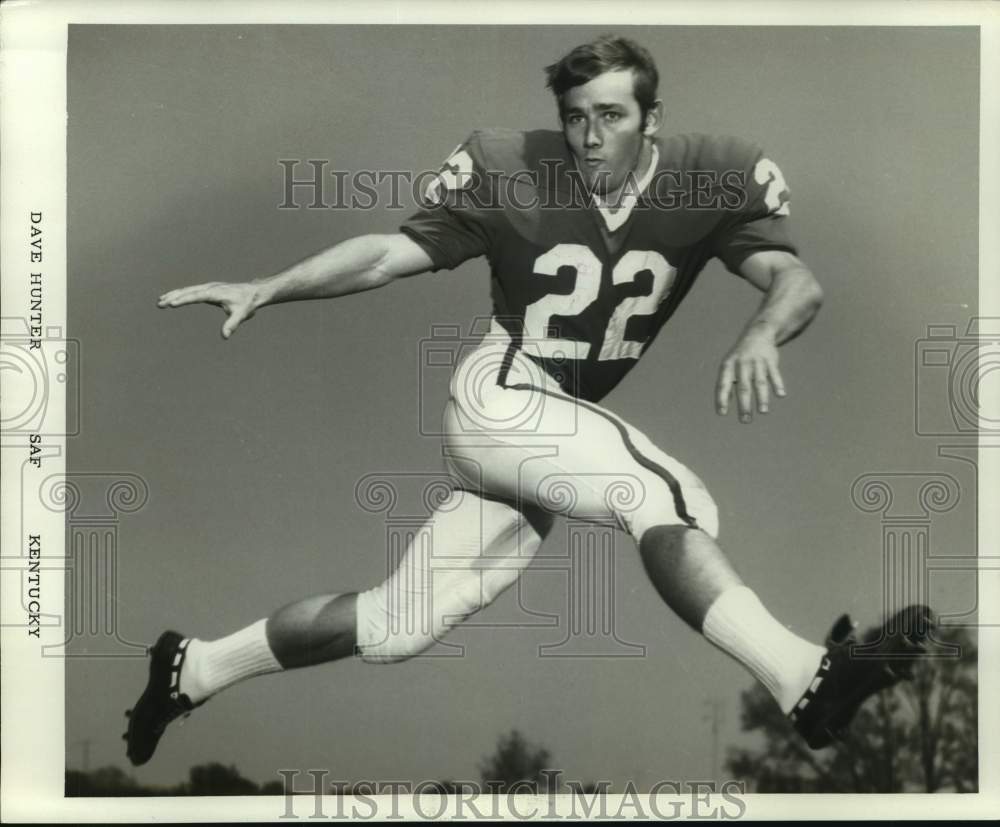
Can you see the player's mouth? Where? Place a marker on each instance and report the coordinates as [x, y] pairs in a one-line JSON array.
[[593, 163]]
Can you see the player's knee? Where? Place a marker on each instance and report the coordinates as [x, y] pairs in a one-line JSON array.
[[699, 507], [395, 651], [705, 512], [393, 630], [383, 634], [694, 508]]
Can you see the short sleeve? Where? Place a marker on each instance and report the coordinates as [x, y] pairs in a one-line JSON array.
[[455, 221], [760, 222]]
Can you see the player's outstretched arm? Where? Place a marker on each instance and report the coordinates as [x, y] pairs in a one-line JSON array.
[[358, 264], [793, 296]]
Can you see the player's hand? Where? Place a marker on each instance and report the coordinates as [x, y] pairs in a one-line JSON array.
[[752, 368], [239, 300]]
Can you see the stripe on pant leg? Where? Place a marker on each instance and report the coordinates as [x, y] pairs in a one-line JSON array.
[[505, 365], [675, 487]]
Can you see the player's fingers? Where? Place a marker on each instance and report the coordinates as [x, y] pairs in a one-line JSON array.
[[195, 296], [174, 295], [724, 388], [189, 295], [744, 390], [236, 318], [762, 387], [776, 380]]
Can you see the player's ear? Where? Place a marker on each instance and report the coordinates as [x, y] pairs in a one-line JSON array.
[[654, 118]]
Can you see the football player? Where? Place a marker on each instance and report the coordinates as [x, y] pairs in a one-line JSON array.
[[594, 235]]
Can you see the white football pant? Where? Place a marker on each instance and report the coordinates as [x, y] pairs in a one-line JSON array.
[[520, 451]]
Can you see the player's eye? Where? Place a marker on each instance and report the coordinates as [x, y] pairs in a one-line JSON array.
[[574, 119], [612, 117]]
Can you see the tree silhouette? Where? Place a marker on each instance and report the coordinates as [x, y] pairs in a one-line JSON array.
[[515, 765], [515, 761], [104, 782], [218, 779], [920, 736], [203, 779]]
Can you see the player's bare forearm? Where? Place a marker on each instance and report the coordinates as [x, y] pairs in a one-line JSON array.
[[359, 264], [352, 266], [792, 299]]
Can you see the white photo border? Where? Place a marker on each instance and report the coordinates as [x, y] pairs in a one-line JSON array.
[[34, 42]]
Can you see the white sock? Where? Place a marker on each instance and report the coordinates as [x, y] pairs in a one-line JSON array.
[[740, 626], [211, 666]]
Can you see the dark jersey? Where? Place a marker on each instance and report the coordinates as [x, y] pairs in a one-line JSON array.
[[582, 290]]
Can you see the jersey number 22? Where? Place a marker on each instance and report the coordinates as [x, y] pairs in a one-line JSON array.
[[588, 283]]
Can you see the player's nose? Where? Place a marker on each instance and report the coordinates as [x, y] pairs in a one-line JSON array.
[[592, 138]]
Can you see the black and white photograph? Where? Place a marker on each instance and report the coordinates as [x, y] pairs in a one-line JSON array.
[[462, 411]]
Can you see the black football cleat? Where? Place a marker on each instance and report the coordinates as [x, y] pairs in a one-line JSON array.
[[161, 702], [852, 671]]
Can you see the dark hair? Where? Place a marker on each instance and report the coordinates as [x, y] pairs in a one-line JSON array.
[[605, 54]]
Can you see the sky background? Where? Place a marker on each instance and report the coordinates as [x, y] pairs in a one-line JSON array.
[[252, 448]]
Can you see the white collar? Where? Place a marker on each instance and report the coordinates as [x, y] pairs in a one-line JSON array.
[[613, 220]]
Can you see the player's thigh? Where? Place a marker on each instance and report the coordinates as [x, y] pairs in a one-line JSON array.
[[574, 458], [470, 550], [479, 547]]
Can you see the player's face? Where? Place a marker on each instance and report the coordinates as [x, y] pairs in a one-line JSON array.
[[603, 126]]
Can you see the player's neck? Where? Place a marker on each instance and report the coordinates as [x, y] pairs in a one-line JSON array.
[[633, 183]]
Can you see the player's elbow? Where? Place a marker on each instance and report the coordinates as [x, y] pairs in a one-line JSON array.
[[800, 280], [375, 259], [398, 257], [813, 294]]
